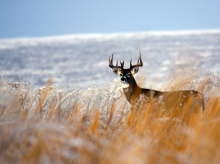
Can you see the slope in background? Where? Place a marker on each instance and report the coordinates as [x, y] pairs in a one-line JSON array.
[[82, 60]]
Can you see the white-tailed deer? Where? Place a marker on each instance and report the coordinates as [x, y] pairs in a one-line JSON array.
[[133, 92]]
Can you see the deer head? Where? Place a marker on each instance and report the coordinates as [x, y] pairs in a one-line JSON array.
[[126, 75]]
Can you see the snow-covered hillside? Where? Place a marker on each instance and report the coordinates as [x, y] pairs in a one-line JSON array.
[[82, 60]]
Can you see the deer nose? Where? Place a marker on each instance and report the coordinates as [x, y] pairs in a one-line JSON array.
[[122, 79]]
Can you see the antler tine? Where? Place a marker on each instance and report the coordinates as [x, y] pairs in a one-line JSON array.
[[122, 64], [111, 62], [139, 59], [139, 62], [139, 53]]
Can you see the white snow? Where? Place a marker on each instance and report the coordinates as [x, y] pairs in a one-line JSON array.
[[82, 60]]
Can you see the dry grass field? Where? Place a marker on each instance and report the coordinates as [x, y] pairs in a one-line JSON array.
[[49, 125]]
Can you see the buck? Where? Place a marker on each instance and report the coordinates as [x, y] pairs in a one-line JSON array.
[[133, 92]]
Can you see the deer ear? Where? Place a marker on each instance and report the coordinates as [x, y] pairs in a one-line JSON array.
[[116, 71], [134, 70]]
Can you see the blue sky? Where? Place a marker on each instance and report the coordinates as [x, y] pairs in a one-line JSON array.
[[36, 18]]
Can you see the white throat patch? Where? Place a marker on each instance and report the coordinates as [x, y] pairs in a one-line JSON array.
[[124, 84]]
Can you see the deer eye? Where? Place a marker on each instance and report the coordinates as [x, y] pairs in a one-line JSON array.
[[121, 74], [129, 74]]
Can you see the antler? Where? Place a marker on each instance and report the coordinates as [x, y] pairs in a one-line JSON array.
[[111, 63], [139, 62]]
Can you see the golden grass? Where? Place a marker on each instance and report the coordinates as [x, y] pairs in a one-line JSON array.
[[52, 126]]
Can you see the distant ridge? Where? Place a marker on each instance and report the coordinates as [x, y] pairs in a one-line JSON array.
[[77, 59], [113, 35]]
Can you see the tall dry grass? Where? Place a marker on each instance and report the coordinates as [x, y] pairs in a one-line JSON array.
[[96, 126]]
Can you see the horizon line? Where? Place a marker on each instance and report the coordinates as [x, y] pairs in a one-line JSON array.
[[96, 34]]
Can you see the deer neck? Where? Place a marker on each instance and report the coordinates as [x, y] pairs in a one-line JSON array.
[[131, 90]]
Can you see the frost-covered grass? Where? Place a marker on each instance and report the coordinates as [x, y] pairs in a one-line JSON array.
[[49, 125]]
